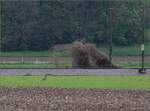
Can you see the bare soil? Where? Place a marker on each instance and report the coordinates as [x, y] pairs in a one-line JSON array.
[[57, 99]]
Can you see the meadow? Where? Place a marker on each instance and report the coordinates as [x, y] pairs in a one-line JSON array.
[[101, 82], [117, 51]]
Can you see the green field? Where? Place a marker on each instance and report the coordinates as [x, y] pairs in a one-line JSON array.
[[117, 51], [127, 50], [36, 65], [111, 82], [36, 53], [64, 65]]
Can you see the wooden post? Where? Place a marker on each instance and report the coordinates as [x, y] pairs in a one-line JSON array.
[[110, 35]]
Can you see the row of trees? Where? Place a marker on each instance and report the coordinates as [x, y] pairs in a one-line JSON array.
[[37, 25]]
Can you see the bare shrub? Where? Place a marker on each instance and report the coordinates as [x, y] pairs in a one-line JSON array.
[[86, 55], [80, 55]]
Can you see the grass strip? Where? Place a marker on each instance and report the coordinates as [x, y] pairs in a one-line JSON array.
[[103, 82]]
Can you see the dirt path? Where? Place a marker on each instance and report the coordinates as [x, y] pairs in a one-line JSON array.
[[48, 99], [46, 59]]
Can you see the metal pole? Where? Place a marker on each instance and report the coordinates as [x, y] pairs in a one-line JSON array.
[[110, 35], [142, 69], [0, 30], [142, 46]]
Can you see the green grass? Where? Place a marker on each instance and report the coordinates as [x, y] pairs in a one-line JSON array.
[[35, 65], [27, 65], [117, 51], [132, 64], [127, 50], [64, 65], [36, 53], [104, 82]]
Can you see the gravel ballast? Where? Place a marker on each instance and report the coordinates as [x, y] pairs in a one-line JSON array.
[[59, 99], [98, 72]]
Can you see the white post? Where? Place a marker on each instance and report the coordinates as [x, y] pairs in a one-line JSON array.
[[36, 61], [22, 59]]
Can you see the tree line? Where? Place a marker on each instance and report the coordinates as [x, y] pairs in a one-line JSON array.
[[38, 25]]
